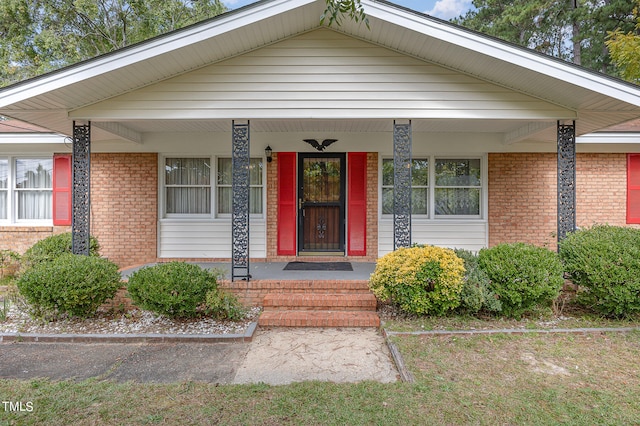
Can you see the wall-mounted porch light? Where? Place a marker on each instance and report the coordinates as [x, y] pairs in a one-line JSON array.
[[268, 151]]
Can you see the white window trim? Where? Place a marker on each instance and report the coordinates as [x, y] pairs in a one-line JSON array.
[[209, 217], [163, 190], [12, 192], [263, 186], [432, 217], [428, 187]]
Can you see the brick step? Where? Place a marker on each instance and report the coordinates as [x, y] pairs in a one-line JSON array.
[[320, 301], [302, 286], [299, 318]]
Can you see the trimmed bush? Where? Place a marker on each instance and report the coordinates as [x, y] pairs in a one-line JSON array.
[[53, 247], [476, 295], [222, 305], [419, 279], [605, 262], [72, 284], [522, 275], [174, 289]]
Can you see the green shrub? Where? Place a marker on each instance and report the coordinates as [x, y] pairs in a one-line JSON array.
[[476, 295], [174, 289], [53, 247], [72, 284], [9, 262], [604, 262], [419, 279], [522, 275], [222, 305]]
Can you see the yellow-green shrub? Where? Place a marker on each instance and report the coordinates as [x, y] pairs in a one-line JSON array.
[[419, 279]]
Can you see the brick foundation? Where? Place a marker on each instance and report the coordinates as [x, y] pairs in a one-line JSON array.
[[20, 238]]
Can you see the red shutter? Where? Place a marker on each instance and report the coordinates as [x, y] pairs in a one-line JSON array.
[[357, 204], [62, 189], [633, 188], [287, 204]]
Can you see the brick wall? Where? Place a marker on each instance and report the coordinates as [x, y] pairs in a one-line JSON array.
[[272, 208], [372, 207], [20, 238], [124, 206], [601, 193], [523, 195]]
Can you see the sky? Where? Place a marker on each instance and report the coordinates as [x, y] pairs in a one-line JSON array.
[[443, 9]]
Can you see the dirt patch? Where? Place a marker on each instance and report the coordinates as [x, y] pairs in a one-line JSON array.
[[542, 366]]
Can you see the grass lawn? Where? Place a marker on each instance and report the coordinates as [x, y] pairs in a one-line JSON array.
[[491, 379]]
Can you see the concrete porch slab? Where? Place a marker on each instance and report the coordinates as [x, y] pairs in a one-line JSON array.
[[275, 271]]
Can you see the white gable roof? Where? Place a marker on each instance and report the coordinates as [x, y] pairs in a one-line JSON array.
[[594, 100]]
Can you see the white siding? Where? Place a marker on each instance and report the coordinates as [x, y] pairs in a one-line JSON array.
[[206, 239], [322, 74], [470, 235]]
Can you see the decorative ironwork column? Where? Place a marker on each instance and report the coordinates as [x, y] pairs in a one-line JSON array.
[[240, 161], [81, 197], [566, 179], [401, 185]]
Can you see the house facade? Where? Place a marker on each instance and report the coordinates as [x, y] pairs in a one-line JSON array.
[[262, 133]]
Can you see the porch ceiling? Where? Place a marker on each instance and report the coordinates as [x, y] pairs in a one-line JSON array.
[[598, 101]]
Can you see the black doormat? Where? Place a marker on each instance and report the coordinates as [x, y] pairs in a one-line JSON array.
[[318, 266]]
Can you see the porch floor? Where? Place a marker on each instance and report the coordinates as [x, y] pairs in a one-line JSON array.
[[275, 271]]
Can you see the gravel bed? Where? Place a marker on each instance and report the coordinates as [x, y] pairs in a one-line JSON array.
[[131, 322]]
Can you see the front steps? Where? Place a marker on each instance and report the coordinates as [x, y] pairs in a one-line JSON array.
[[320, 303]]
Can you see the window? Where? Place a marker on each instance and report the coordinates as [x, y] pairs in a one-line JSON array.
[[224, 186], [4, 189], [457, 187], [34, 188], [26, 189], [419, 186], [455, 190], [188, 186]]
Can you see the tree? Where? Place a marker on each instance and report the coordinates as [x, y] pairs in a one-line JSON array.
[[573, 30], [624, 49], [37, 36], [338, 9]]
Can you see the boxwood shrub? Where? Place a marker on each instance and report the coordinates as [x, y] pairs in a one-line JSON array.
[[522, 275], [72, 284], [419, 279], [476, 295], [174, 289], [53, 247], [604, 261]]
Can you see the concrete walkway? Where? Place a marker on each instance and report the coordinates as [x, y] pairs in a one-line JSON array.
[[275, 356]]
